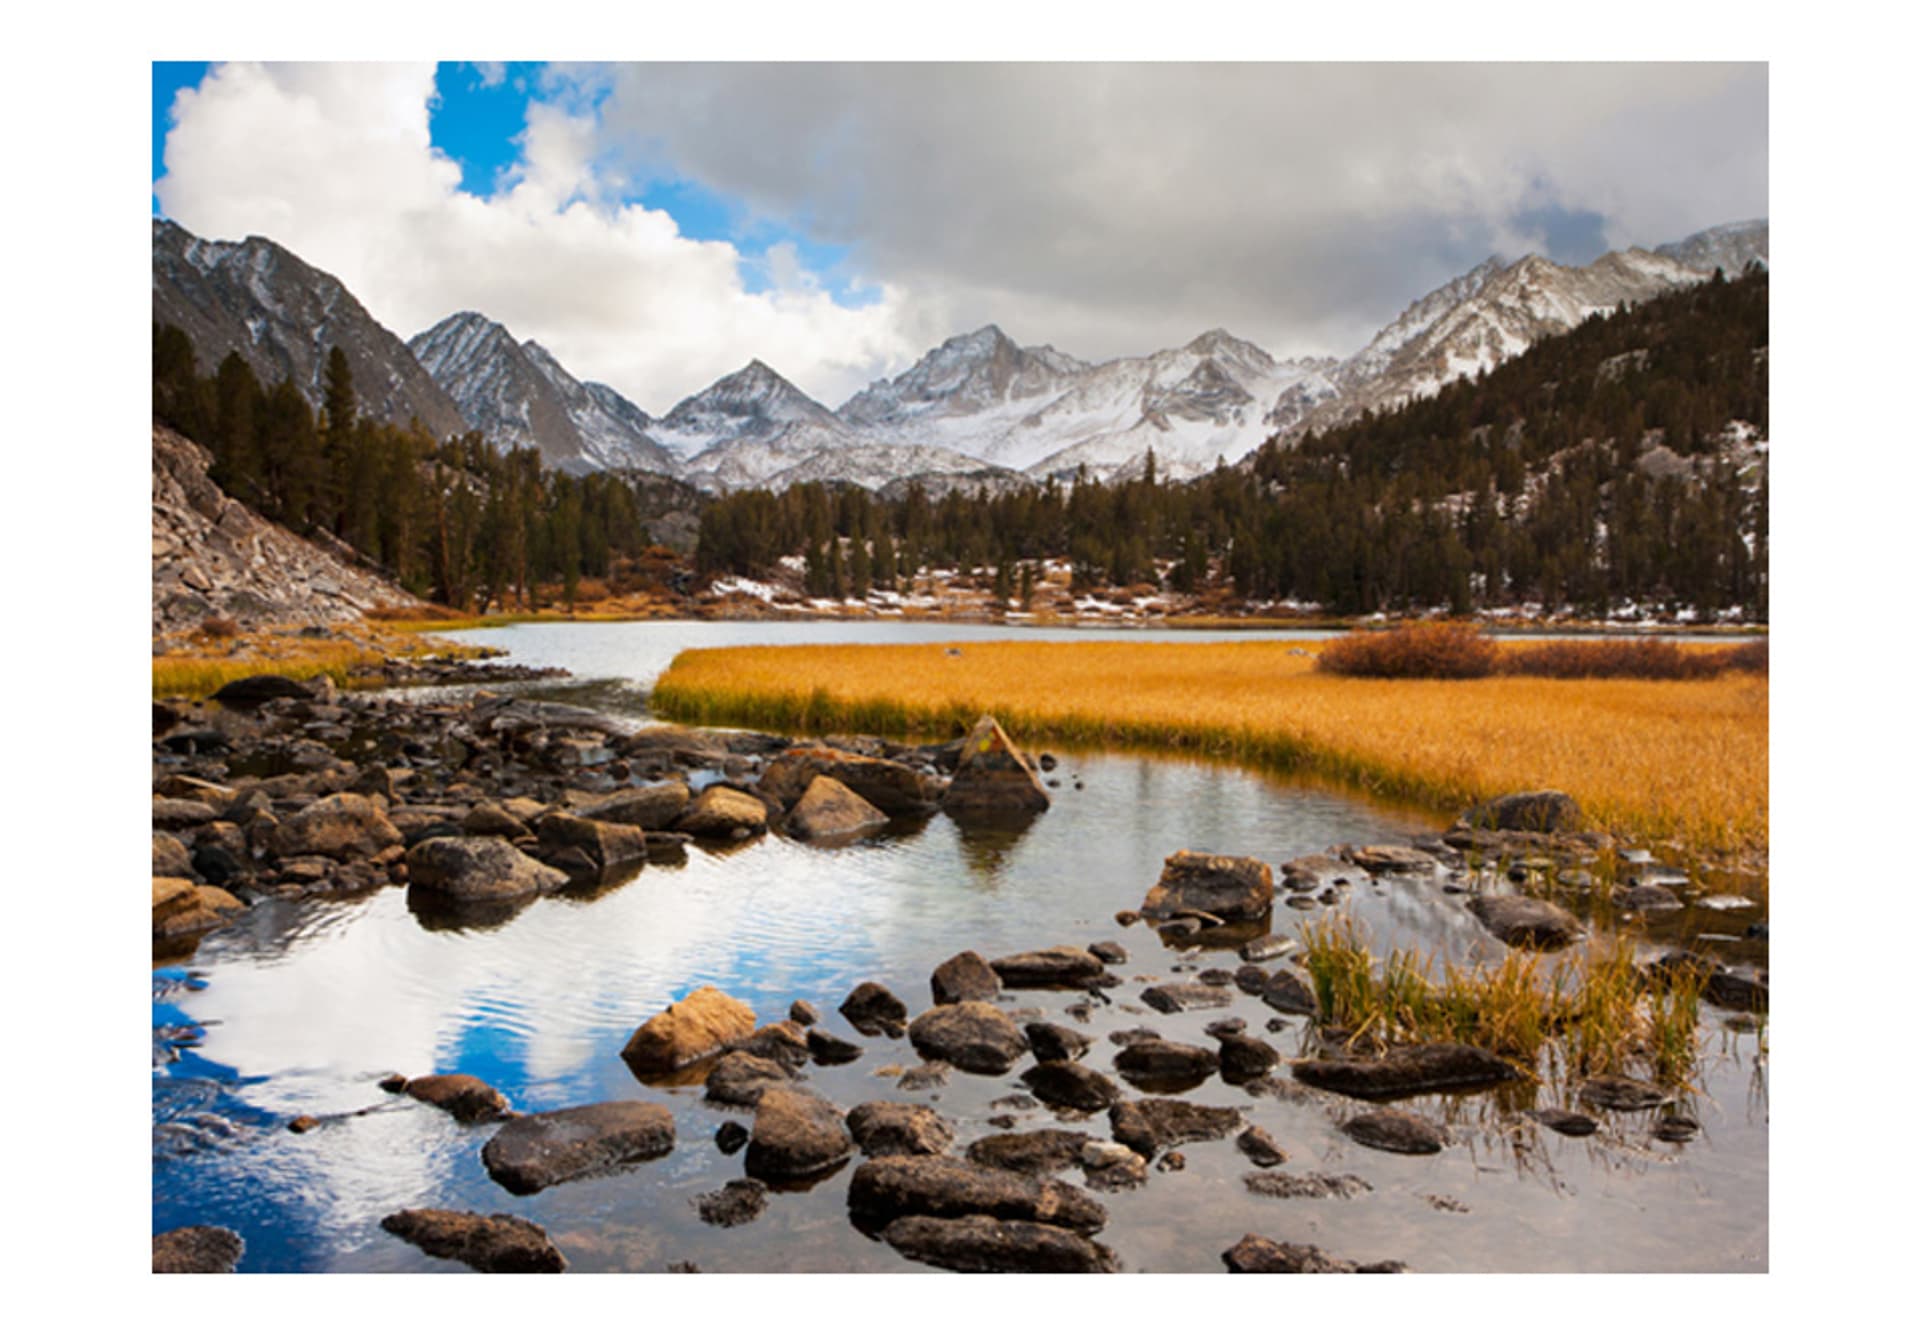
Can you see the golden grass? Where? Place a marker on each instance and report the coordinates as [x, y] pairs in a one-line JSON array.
[[1681, 762], [196, 663]]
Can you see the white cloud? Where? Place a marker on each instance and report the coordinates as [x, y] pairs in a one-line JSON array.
[[335, 162]]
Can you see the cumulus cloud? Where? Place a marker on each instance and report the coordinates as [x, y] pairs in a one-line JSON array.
[[335, 162]]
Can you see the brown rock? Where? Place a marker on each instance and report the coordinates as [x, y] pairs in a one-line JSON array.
[[795, 1134], [884, 1189], [343, 826], [1394, 1131], [998, 1246], [1070, 1084], [478, 870], [1060, 966], [606, 844], [1235, 889], [530, 1153], [973, 1035], [1156, 1059], [487, 818], [197, 1250], [470, 1100], [171, 859], [724, 813], [1261, 1255], [492, 1244], [872, 1009], [892, 787], [695, 1026], [964, 977], [1525, 922], [1034, 1152], [992, 777], [739, 1079], [1148, 1125], [654, 806], [830, 810], [1420, 1068], [886, 1128], [182, 908]]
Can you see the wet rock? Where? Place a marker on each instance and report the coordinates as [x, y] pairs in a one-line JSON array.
[[490, 1243], [998, 1246], [653, 807], [1310, 872], [1261, 1255], [1647, 898], [1418, 1068], [884, 1189], [1268, 947], [1621, 1093], [1127, 1037], [783, 1042], [1393, 1131], [932, 1075], [885, 1128], [739, 1078], [1225, 1028], [1110, 1165], [1565, 1122], [182, 909], [197, 1250], [1392, 859], [1156, 1059], [1526, 923], [1108, 951], [804, 1013], [895, 789], [695, 1026], [724, 814], [1305, 1185], [1034, 1152], [1070, 1084], [1243, 1058], [489, 819], [175, 813], [964, 977], [1731, 991], [477, 870], [1290, 993], [1231, 888], [972, 1035], [1056, 1042], [1173, 997], [253, 691], [605, 844], [796, 1134], [469, 1100], [1172, 1162], [300, 1125], [827, 1049], [531, 1153], [342, 826], [993, 778], [1148, 1125], [1544, 812], [829, 809], [170, 858], [735, 1203], [1260, 1147], [731, 1137], [1676, 1128], [873, 1010], [1061, 966]]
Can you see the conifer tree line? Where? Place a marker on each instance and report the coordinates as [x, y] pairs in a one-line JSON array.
[[459, 522], [1525, 483]]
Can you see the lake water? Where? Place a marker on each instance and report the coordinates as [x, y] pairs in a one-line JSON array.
[[305, 1005]]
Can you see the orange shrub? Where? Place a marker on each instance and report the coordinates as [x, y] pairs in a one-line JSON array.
[[1439, 649]]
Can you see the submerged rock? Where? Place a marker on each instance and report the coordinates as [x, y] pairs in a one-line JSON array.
[[735, 1203], [887, 1128], [1148, 1125], [1395, 1132], [998, 1246], [1419, 1068], [197, 1250], [1565, 1122], [490, 1243], [1034, 1152], [1305, 1185], [1229, 888], [1392, 859], [884, 1189], [532, 1153], [796, 1134], [973, 1035], [1173, 997], [1621, 1093], [1254, 1254], [695, 1026], [1515, 919]]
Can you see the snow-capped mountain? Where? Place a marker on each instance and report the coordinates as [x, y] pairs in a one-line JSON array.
[[519, 396], [283, 317], [1729, 247]]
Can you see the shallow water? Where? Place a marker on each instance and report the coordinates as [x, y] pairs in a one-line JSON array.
[[303, 1007]]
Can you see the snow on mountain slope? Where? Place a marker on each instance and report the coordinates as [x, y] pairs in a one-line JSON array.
[[612, 430], [1728, 247]]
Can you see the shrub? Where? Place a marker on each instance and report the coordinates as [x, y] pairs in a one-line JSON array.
[[220, 627], [1746, 657], [1640, 659], [1440, 649]]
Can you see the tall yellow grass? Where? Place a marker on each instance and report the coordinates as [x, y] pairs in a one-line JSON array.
[[1672, 761], [196, 663]]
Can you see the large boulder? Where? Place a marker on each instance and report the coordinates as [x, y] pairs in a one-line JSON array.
[[993, 777], [478, 870], [1059, 966], [531, 1153], [1148, 1125], [492, 1244], [830, 810], [1070, 1084], [1524, 922], [182, 908], [884, 1189], [1235, 889], [605, 843], [997, 1246], [1422, 1068], [197, 1250], [693, 1027], [973, 1035], [795, 1134], [654, 806], [724, 814], [343, 826], [965, 977], [873, 1010], [894, 788], [884, 1129], [1544, 812]]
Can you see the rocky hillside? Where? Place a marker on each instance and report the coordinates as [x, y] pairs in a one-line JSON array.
[[212, 556]]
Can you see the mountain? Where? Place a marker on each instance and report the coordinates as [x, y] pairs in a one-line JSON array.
[[519, 395], [745, 428], [283, 315], [1729, 247]]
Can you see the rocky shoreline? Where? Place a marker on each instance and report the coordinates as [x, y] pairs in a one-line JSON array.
[[480, 805]]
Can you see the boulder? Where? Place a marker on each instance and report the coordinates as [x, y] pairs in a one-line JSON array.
[[735, 1203], [1060, 966], [487, 818], [1394, 1131], [653, 806], [1243, 1057], [468, 1099], [894, 788], [783, 1042], [873, 1010], [182, 908], [1173, 997], [1544, 812], [997, 1246], [172, 861], [795, 1134], [992, 778], [1070, 1084], [738, 1079], [1158, 1060], [1148, 1125], [179, 813], [829, 809], [887, 1128], [1525, 923], [884, 1189], [490, 1243], [1421, 1068], [531, 1153], [606, 844], [478, 870], [826, 1049], [253, 691], [693, 1027], [1056, 1042], [964, 977], [724, 814], [197, 1250], [973, 1035], [1260, 1255], [343, 826], [1235, 889], [1260, 1147], [1034, 1152]]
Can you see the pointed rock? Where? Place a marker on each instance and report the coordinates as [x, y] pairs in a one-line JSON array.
[[992, 777]]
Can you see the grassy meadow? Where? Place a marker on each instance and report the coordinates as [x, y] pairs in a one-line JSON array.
[[198, 662], [1679, 762]]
